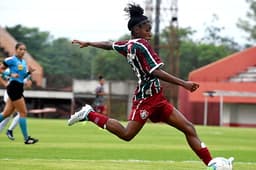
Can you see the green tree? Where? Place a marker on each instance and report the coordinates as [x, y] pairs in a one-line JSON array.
[[63, 61], [194, 54], [113, 66], [249, 24], [60, 60], [34, 39], [213, 36]]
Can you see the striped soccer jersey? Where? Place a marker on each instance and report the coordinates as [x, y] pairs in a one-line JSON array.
[[144, 61]]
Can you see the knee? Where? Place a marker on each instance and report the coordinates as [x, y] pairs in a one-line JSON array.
[[6, 114], [23, 114], [127, 137]]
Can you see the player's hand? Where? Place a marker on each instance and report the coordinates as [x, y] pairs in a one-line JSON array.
[[31, 69], [191, 86], [14, 75], [28, 84], [82, 44]]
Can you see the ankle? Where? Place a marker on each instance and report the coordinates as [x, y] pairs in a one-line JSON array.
[[98, 119]]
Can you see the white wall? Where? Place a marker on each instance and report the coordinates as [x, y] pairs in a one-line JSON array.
[[117, 87], [239, 113]]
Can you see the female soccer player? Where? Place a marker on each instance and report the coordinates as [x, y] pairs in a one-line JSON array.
[[19, 71], [4, 81], [149, 101]]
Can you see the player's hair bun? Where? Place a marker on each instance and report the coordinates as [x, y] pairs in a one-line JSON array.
[[136, 15], [134, 10]]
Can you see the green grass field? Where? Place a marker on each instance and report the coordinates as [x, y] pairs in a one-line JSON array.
[[84, 146]]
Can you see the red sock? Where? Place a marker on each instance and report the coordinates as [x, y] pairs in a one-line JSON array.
[[204, 155], [98, 119]]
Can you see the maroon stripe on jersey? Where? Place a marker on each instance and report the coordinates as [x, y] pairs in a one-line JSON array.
[[143, 60], [151, 59], [121, 47]]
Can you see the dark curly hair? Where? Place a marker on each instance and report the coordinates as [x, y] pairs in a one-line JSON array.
[[135, 13]]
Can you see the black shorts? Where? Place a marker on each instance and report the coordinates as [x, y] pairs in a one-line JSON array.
[[15, 90]]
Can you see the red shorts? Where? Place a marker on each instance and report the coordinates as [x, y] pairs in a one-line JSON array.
[[156, 108]]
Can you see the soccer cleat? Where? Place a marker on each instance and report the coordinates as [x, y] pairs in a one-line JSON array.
[[81, 115], [220, 163], [230, 160], [31, 140], [10, 134]]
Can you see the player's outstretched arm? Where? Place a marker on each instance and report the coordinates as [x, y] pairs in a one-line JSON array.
[[189, 85], [106, 45]]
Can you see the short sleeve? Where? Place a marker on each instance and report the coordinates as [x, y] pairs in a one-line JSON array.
[[149, 59], [98, 89], [8, 61], [120, 47]]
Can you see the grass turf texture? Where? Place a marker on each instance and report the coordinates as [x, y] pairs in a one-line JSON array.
[[84, 146]]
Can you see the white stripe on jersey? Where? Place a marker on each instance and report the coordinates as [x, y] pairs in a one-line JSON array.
[[147, 52], [133, 113]]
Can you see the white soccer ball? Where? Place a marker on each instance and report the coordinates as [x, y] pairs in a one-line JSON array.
[[220, 163]]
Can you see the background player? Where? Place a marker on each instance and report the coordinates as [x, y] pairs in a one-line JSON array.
[[4, 81], [99, 102], [19, 71]]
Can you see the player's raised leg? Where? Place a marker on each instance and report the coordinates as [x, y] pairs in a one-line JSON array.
[[114, 126], [177, 120]]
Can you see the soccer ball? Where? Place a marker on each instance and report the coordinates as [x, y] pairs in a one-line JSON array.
[[220, 163]]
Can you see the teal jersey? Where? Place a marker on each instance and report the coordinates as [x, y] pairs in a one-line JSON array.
[[18, 66]]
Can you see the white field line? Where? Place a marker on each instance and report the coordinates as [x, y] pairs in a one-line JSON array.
[[131, 160]]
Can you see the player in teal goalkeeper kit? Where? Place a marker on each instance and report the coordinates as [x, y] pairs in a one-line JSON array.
[[27, 82], [15, 88]]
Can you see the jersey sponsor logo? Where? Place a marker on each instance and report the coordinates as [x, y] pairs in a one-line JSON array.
[[144, 114], [148, 92], [20, 67]]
